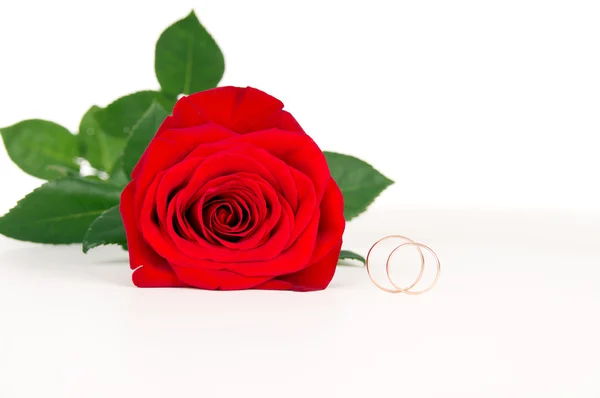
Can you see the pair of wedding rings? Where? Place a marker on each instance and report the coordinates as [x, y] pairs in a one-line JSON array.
[[407, 242]]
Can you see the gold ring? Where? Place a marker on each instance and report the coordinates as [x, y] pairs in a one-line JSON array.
[[398, 290], [419, 246]]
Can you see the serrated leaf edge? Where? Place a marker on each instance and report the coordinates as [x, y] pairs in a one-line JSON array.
[[87, 247]]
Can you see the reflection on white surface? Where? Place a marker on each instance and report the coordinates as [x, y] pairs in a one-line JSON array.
[[514, 313]]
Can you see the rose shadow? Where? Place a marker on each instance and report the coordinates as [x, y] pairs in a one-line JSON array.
[[107, 265]]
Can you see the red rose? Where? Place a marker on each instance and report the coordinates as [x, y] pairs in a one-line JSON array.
[[232, 194]]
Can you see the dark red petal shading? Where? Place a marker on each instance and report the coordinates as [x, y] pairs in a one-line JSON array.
[[259, 192], [168, 183], [293, 259], [160, 233], [151, 270], [255, 160]]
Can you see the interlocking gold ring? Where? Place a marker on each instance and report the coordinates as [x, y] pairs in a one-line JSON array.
[[419, 246], [398, 289], [367, 265]]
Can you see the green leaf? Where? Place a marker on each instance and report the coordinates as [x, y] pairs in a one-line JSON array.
[[141, 135], [187, 58], [43, 149], [59, 211], [360, 182], [107, 229], [119, 117], [118, 176], [348, 255], [100, 149]]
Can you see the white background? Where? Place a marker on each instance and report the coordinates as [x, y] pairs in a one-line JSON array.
[[488, 110], [463, 103]]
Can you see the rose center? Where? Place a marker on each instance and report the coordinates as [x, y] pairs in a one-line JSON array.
[[225, 216]]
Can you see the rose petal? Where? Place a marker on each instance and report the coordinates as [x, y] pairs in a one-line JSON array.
[[293, 259], [307, 202], [242, 110], [152, 276], [151, 270], [165, 239], [288, 122], [185, 114], [168, 123], [294, 149], [296, 241], [251, 159], [217, 279], [332, 222], [169, 183], [254, 247], [172, 146], [316, 277], [259, 192]]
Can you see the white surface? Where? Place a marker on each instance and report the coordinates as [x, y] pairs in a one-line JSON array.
[[472, 103], [468, 104], [515, 314]]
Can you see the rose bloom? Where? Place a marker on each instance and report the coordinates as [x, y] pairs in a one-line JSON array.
[[232, 194]]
